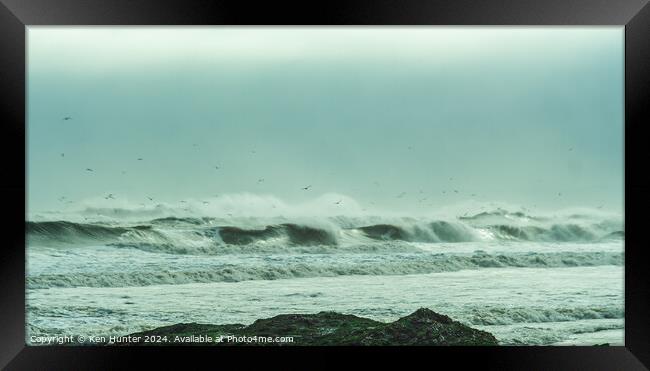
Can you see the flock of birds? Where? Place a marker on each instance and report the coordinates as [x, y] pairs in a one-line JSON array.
[[111, 196]]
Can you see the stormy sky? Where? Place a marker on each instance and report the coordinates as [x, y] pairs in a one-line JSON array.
[[394, 117]]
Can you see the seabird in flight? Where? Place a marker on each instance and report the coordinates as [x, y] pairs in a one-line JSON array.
[[150, 199], [306, 188], [89, 169], [110, 196], [67, 118], [338, 202]]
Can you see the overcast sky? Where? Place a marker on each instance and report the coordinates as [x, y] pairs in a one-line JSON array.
[[509, 114]]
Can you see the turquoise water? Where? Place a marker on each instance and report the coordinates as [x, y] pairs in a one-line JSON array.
[[101, 278]]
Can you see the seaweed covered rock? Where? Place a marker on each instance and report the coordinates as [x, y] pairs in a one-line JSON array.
[[422, 327]]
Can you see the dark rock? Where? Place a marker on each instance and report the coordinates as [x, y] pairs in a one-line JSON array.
[[422, 327]]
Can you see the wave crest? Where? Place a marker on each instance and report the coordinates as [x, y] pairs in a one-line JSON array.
[[210, 234]]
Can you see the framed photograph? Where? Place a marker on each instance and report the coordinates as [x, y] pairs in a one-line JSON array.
[[454, 180]]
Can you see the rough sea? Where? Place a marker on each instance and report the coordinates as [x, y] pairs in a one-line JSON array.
[[547, 279]]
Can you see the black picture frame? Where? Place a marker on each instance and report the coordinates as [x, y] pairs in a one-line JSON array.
[[16, 15]]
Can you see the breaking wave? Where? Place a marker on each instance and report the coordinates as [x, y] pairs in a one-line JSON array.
[[399, 265], [191, 235], [293, 233], [506, 316]]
